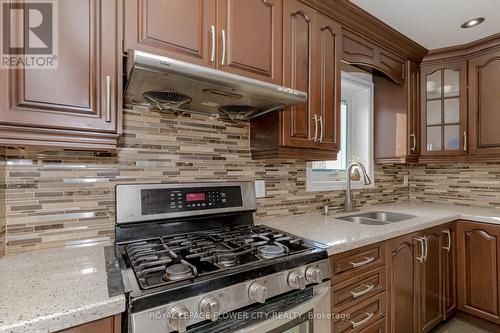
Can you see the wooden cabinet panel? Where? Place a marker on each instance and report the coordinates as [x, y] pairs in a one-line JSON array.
[[64, 102], [180, 29], [449, 269], [328, 34], [299, 22], [362, 315], [484, 101], [396, 118], [349, 292], [359, 51], [353, 263], [253, 38], [444, 111], [428, 271], [401, 284], [478, 269], [106, 325]]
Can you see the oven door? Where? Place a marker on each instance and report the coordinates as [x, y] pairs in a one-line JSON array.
[[311, 316]]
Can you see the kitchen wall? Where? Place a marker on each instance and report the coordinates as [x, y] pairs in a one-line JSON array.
[[469, 184], [58, 198]]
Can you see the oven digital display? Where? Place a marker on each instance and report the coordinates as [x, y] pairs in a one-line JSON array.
[[195, 197]]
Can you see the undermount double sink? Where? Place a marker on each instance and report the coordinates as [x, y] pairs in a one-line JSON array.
[[376, 218]]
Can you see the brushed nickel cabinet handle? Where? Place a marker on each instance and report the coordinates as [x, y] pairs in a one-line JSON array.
[[426, 241], [223, 62], [362, 263], [321, 129], [315, 118], [413, 146], [362, 292], [362, 322], [421, 258], [212, 33], [108, 99], [465, 141], [448, 233]]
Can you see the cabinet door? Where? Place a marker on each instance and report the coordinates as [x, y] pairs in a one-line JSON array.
[[413, 86], [484, 99], [449, 270], [180, 29], [429, 283], [299, 30], [444, 110], [328, 34], [478, 269], [401, 284], [252, 41], [84, 92]]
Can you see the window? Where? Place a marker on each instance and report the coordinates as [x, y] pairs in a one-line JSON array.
[[356, 142]]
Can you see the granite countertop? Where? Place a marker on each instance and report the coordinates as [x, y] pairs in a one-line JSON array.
[[339, 236], [53, 289]]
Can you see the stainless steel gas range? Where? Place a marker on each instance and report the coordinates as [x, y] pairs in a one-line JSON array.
[[192, 260]]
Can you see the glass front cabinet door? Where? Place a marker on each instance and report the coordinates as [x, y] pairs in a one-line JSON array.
[[444, 128]]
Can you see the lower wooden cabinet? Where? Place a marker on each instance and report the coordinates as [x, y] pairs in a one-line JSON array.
[[479, 269], [106, 325], [422, 277], [449, 269], [401, 284]]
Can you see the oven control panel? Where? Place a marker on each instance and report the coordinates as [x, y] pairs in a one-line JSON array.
[[162, 200]]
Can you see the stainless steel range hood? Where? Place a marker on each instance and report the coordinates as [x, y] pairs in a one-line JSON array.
[[166, 84]]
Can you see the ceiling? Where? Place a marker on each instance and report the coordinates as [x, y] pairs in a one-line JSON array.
[[436, 23]]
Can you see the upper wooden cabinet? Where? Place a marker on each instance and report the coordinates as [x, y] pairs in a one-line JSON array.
[[77, 105], [479, 270], [216, 33], [484, 105], [309, 130], [359, 51], [396, 118], [444, 111], [252, 44], [181, 29]]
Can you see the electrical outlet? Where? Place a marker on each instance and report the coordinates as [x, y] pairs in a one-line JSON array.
[[260, 188], [406, 180]]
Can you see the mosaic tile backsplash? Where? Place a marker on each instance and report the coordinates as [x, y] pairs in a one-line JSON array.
[[468, 184], [62, 198]]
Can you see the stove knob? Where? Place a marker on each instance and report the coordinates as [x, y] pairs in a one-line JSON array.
[[257, 292], [296, 280], [178, 318], [209, 308], [313, 274]]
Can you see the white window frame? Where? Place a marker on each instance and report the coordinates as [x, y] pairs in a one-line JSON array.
[[321, 181]]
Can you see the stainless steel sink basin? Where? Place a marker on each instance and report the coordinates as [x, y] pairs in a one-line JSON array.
[[362, 220], [387, 217], [377, 218]]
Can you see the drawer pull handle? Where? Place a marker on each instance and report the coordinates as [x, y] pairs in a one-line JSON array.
[[363, 292], [362, 263], [362, 322], [421, 258]]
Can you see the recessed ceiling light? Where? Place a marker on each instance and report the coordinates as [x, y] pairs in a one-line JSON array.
[[473, 22]]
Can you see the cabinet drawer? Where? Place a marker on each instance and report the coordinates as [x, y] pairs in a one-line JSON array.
[[352, 291], [356, 262], [361, 316], [378, 327]]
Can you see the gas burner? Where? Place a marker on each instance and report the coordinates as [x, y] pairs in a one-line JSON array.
[[271, 251], [227, 261], [178, 272]]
